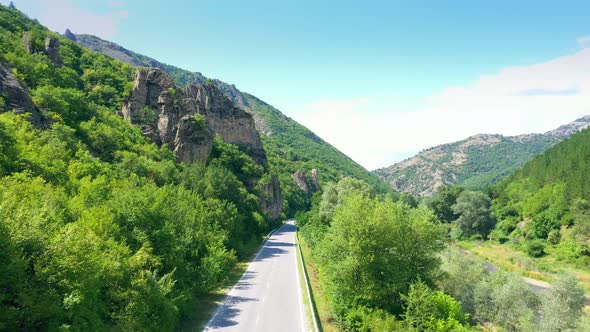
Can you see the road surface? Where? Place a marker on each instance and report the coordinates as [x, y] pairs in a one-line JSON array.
[[268, 297]]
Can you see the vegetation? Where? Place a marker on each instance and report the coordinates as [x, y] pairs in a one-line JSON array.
[[102, 229], [484, 161], [542, 207], [359, 240], [289, 145]]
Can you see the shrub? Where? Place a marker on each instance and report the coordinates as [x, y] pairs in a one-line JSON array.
[[535, 248]]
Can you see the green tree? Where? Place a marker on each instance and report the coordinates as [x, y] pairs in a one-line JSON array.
[[562, 306], [474, 213], [506, 301], [442, 203], [368, 241], [428, 310]]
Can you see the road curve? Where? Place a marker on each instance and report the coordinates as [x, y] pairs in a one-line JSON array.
[[268, 297]]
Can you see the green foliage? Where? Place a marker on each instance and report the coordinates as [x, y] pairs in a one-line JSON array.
[[506, 301], [535, 248], [562, 306], [199, 120], [368, 240], [546, 201], [442, 203], [102, 230], [428, 310], [334, 194], [462, 273], [367, 319], [474, 213]]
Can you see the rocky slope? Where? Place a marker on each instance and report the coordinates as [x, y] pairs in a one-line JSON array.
[[475, 162], [188, 119], [289, 145]]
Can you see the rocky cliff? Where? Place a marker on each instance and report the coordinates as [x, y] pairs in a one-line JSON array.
[[188, 120], [475, 162], [301, 181], [14, 95]]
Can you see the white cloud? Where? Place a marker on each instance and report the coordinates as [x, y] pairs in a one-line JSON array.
[[584, 41], [379, 130], [58, 15]]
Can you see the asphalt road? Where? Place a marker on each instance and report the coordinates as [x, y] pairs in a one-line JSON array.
[[268, 297]]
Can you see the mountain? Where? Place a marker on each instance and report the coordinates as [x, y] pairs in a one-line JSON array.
[[547, 199], [474, 163], [290, 146]]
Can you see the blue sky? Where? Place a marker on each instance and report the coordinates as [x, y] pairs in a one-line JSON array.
[[380, 80]]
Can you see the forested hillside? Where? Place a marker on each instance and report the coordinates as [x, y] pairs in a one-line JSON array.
[[289, 145], [102, 228], [474, 163], [547, 200]]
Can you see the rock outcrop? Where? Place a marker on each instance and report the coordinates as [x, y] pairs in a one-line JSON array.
[[188, 119], [52, 50], [315, 180], [170, 115], [15, 96], [70, 35], [301, 181], [271, 198]]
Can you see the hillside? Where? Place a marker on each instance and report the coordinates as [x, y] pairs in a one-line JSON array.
[[125, 199], [290, 146], [474, 163], [549, 192]]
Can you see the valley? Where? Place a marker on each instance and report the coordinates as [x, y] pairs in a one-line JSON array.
[[139, 196]]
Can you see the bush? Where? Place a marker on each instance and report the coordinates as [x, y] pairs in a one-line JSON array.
[[535, 248]]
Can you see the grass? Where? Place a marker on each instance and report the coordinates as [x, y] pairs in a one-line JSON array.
[[507, 258], [309, 308], [545, 268], [319, 298]]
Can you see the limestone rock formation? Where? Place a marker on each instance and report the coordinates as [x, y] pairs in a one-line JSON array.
[[314, 180], [167, 115], [27, 42], [187, 120], [15, 96], [52, 50], [271, 198], [301, 181]]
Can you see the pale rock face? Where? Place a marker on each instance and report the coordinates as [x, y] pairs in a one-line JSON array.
[[314, 180], [271, 198], [301, 181], [16, 96], [187, 120], [173, 108], [52, 50]]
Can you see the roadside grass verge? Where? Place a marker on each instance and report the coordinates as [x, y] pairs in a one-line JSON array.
[[310, 307], [323, 311]]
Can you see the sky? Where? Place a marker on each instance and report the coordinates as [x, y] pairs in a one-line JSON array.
[[379, 80]]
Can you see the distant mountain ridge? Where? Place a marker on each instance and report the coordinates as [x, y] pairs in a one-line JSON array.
[[474, 162]]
